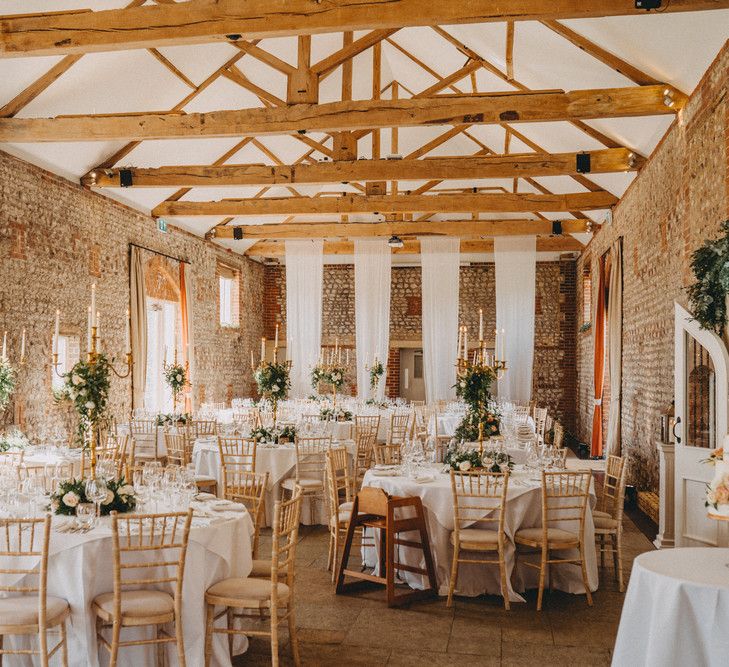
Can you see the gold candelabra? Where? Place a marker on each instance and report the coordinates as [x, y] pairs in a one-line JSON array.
[[263, 363]]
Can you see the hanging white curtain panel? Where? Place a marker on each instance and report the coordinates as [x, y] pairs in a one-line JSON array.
[[304, 277], [440, 259], [516, 263], [372, 271]]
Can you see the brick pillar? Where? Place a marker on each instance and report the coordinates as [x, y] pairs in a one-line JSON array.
[[392, 385]]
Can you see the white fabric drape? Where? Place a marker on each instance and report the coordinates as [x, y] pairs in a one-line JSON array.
[[372, 271], [190, 337], [615, 346], [304, 278], [440, 259], [516, 262], [138, 314]]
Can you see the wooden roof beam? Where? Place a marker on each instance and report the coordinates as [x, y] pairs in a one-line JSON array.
[[351, 115], [451, 203], [485, 166], [199, 21], [463, 228]]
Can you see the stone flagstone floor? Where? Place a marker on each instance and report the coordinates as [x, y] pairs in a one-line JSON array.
[[359, 629]]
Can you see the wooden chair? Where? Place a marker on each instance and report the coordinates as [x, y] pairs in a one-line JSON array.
[[338, 486], [144, 434], [609, 519], [26, 608], [397, 433], [310, 471], [12, 457], [558, 439], [248, 488], [365, 436], [259, 596], [237, 453], [245, 420], [265, 418], [137, 539], [564, 500], [388, 455], [179, 452], [204, 427], [540, 422], [478, 498], [375, 509]]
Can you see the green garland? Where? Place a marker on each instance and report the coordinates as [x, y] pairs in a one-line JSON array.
[[331, 375], [473, 386], [468, 459], [176, 378], [468, 428], [87, 385], [376, 372], [339, 415], [707, 296], [7, 382], [273, 380]]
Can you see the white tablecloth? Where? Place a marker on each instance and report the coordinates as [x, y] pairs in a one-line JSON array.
[[278, 461], [676, 610], [80, 568], [447, 423], [523, 511]]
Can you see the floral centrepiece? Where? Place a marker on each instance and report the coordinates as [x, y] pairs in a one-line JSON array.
[[121, 497], [376, 372], [87, 385], [13, 440], [336, 414], [333, 375], [468, 429], [176, 378], [7, 382], [277, 435], [482, 420], [489, 460], [174, 419], [273, 380]]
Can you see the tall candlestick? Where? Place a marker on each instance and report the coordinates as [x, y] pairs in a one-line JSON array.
[[347, 356], [22, 346], [56, 331], [460, 338], [5, 345], [503, 345], [263, 348], [496, 343], [98, 328], [465, 343], [89, 318], [253, 363], [93, 303], [275, 340], [480, 324], [128, 333]]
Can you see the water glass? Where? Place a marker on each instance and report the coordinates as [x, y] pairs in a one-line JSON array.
[[85, 516]]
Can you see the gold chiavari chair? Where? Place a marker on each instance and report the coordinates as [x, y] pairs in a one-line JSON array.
[[310, 471], [258, 596], [12, 457], [246, 420], [558, 439], [204, 427], [237, 453], [338, 487], [564, 501], [179, 447], [265, 418], [144, 434], [540, 422], [609, 518], [388, 455], [136, 540], [365, 437], [49, 475], [397, 433], [249, 488], [26, 608], [478, 498]]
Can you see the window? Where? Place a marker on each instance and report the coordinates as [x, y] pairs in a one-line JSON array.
[[228, 292], [418, 365], [69, 352], [586, 295], [163, 325]]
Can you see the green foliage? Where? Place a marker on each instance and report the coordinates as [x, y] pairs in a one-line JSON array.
[[466, 459], [332, 375], [467, 430], [277, 435], [473, 385], [273, 380], [176, 378], [87, 386], [124, 498], [339, 415], [707, 296], [178, 420], [7, 382], [376, 372], [13, 440]]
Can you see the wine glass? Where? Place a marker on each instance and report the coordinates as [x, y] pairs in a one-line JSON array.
[[96, 490], [85, 516]]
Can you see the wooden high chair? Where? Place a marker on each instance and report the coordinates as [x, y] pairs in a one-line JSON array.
[[374, 508]]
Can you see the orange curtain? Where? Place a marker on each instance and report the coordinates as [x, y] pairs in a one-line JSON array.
[[185, 329], [598, 328]]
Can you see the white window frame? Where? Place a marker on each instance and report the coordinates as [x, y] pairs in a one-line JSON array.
[[225, 287]]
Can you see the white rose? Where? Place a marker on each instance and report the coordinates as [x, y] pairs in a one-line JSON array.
[[126, 490], [90, 405], [463, 383], [109, 497], [464, 466], [75, 379], [70, 499], [83, 392], [81, 381], [275, 388], [178, 377]]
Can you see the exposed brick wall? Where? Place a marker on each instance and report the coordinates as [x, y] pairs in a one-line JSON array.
[[679, 199], [57, 238], [554, 356]]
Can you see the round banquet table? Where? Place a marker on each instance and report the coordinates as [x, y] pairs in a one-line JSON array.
[[676, 610], [80, 568], [279, 461], [523, 510]]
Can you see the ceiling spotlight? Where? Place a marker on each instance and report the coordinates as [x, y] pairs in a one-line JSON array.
[[395, 242]]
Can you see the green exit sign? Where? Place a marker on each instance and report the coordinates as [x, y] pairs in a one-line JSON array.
[[162, 225]]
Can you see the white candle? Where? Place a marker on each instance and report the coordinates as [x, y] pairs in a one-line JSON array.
[[460, 334], [93, 303], [56, 331], [89, 318], [275, 340], [480, 324], [263, 348], [503, 346], [22, 346], [465, 343], [5, 345], [347, 356], [253, 363], [128, 333], [496, 343], [98, 326]]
